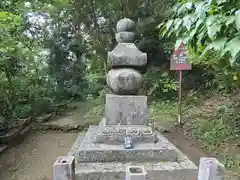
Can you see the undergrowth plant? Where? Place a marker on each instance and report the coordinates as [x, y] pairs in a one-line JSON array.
[[160, 84]]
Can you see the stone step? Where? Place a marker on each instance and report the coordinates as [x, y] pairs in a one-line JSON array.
[[85, 150], [184, 170], [123, 155]]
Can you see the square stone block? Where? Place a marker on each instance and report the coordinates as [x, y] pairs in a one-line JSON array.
[[135, 173], [126, 110], [64, 168]]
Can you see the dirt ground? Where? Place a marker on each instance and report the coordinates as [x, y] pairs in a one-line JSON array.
[[33, 159], [188, 146]]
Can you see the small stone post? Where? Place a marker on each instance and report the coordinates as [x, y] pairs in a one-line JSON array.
[[210, 169], [135, 173], [64, 168]]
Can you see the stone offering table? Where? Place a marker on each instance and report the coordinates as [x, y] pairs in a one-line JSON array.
[[124, 136]]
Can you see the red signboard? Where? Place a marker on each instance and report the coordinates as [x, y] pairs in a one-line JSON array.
[[179, 59]]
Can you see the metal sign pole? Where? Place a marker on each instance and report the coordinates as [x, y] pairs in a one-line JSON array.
[[179, 97], [179, 62]]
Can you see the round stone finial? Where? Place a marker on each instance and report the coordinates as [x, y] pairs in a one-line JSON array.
[[125, 25]]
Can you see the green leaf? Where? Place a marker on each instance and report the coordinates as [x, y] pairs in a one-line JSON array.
[[187, 22], [221, 1], [181, 9], [176, 7], [233, 47], [209, 47], [201, 9], [201, 36], [212, 30], [217, 45], [189, 5], [168, 24], [193, 32], [3, 15], [177, 23], [210, 20], [213, 26], [230, 20], [237, 20], [209, 2]]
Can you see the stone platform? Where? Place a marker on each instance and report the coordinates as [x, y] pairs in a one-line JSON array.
[[155, 171], [96, 161], [115, 134], [88, 151]]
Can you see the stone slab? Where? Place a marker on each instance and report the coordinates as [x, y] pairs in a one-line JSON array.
[[87, 151], [185, 170], [115, 134], [126, 110]]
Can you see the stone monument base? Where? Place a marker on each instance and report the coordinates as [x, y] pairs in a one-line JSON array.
[[155, 171], [97, 161], [87, 151]]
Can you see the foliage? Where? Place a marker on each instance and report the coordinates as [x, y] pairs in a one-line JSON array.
[[219, 132], [160, 84], [211, 31], [207, 25], [52, 51], [164, 113]]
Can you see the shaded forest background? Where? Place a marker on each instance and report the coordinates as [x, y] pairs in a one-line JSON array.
[[54, 52]]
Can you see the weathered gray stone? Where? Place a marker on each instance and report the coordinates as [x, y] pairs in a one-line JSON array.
[[155, 171], [126, 110], [125, 37], [88, 151], [210, 169], [125, 55], [124, 81], [64, 168], [125, 25], [135, 173], [115, 134]]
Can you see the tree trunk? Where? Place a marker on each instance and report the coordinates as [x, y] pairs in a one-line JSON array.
[[11, 95]]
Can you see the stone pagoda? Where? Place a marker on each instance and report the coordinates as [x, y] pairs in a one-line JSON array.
[[124, 136]]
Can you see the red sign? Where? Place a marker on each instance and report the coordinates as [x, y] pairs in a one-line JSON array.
[[179, 59]]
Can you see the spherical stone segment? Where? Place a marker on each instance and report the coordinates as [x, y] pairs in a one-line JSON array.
[[125, 25], [125, 81], [125, 37]]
